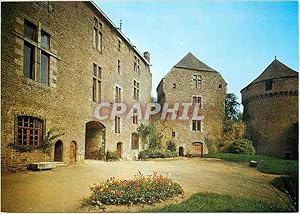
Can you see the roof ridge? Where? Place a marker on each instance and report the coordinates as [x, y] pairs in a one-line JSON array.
[[191, 62]]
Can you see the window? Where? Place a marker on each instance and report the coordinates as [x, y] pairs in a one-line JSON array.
[[119, 66], [119, 45], [36, 60], [135, 117], [136, 90], [29, 131], [173, 134], [96, 83], [30, 30], [118, 94], [45, 40], [196, 125], [197, 80], [117, 124], [44, 68], [220, 85], [174, 85], [97, 35], [197, 99], [134, 141], [268, 85], [136, 65], [29, 55]]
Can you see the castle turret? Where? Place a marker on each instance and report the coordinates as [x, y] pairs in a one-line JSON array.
[[271, 111]]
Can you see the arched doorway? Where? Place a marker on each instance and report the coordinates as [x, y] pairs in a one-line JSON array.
[[181, 151], [72, 152], [197, 149], [58, 151], [94, 140], [119, 149]]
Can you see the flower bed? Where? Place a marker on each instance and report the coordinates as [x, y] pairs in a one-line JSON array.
[[140, 190]]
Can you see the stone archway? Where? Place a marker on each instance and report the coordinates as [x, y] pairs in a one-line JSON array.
[[58, 151], [94, 140], [181, 151]]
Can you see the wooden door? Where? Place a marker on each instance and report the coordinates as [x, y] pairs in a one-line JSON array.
[[197, 149], [119, 150], [72, 152], [58, 151]]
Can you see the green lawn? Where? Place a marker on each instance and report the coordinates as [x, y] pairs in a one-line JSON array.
[[212, 202], [265, 164]]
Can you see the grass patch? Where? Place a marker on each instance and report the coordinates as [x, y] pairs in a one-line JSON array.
[[266, 164], [213, 202]]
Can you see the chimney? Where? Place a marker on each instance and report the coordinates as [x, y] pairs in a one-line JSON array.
[[147, 56]]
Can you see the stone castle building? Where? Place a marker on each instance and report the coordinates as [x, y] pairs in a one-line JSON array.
[[271, 111], [58, 61], [192, 81]]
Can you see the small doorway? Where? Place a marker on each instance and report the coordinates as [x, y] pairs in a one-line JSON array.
[[181, 151], [119, 149], [72, 152], [58, 151], [197, 149]]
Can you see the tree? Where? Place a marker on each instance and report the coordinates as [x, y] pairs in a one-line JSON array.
[[151, 134], [232, 107]]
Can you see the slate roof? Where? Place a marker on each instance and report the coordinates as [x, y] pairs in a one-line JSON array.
[[275, 70], [191, 62]]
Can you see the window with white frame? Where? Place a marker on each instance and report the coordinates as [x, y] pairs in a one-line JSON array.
[[117, 124], [136, 90], [197, 99], [136, 65], [97, 35], [196, 125], [117, 94], [96, 83], [36, 60], [197, 81]]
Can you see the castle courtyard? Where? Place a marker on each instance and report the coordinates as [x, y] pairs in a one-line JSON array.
[[61, 189]]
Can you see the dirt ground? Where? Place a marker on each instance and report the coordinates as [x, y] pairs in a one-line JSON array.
[[61, 189]]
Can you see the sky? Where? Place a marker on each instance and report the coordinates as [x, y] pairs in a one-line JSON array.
[[238, 39]]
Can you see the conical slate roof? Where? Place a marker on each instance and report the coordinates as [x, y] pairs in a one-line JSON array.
[[191, 62], [275, 70]]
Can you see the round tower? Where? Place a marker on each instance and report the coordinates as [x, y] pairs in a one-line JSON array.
[[271, 111]]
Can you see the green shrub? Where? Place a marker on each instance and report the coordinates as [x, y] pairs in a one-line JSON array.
[[140, 190], [289, 185], [241, 146], [171, 146], [112, 155], [156, 153]]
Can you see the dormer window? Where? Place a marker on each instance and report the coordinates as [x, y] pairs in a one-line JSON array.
[[268, 85]]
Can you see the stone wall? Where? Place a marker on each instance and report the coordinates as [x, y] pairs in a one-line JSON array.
[[66, 102], [272, 117], [212, 93]]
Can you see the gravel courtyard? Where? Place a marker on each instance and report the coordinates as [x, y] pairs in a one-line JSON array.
[[61, 189]]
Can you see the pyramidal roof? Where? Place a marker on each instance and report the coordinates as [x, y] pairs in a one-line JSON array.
[[191, 62], [275, 70]]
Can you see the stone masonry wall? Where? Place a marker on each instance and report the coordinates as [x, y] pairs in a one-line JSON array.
[[271, 116], [66, 103], [212, 106]]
